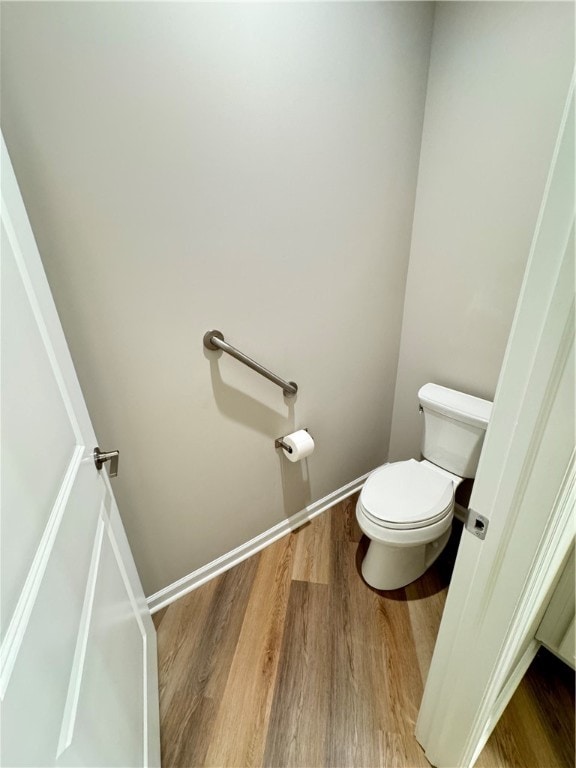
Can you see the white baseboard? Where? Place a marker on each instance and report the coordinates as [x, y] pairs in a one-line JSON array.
[[460, 513], [209, 571]]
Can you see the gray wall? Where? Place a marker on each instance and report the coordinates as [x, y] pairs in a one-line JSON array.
[[248, 167], [499, 76]]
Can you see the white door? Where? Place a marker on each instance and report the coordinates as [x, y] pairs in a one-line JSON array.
[[78, 670], [525, 489]]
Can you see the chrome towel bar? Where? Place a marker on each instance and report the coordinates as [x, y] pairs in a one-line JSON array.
[[215, 340]]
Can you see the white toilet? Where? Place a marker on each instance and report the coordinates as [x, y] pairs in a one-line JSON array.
[[406, 508]]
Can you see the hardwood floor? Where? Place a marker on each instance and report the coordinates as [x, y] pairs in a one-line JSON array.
[[290, 659], [537, 727]]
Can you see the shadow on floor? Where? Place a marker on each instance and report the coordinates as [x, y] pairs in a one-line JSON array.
[[441, 569]]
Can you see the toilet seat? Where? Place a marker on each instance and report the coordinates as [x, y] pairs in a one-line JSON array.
[[407, 495]]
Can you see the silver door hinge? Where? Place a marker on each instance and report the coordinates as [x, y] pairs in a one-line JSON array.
[[477, 524]]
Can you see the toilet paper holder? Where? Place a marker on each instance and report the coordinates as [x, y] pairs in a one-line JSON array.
[[279, 442]]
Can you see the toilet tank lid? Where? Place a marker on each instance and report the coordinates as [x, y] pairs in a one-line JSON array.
[[457, 405]]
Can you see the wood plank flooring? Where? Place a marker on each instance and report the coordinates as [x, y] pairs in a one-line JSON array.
[[291, 660]]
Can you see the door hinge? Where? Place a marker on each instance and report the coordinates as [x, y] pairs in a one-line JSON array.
[[477, 524]]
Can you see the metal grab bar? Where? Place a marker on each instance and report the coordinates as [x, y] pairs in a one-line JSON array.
[[215, 340]]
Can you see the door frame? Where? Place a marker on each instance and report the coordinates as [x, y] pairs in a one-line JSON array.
[[501, 584]]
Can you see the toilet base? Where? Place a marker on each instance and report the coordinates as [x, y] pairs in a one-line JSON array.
[[388, 567]]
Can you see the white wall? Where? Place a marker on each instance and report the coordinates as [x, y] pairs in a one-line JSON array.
[[248, 167], [499, 76]]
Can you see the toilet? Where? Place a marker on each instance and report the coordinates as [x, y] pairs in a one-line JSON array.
[[406, 507]]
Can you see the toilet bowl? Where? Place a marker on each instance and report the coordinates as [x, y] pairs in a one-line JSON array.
[[406, 508]]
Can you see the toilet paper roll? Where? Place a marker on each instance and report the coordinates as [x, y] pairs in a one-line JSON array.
[[301, 443]]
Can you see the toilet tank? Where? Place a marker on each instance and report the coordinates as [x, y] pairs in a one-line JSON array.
[[454, 428]]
